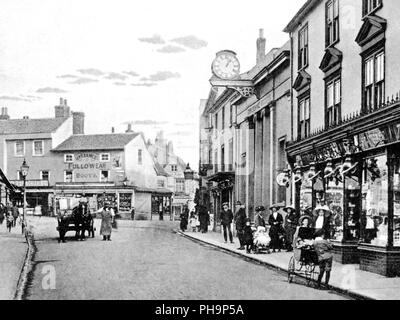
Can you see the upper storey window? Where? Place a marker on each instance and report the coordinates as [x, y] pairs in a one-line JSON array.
[[332, 22], [370, 6], [303, 47]]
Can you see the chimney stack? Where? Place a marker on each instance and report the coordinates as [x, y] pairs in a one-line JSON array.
[[62, 110], [261, 44], [129, 130], [4, 115], [78, 123], [112, 130]]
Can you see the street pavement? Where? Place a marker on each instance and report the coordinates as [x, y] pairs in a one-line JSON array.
[[146, 260], [13, 249]]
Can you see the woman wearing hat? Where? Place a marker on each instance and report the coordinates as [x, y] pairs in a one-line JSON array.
[[291, 222], [322, 220], [275, 221], [259, 219], [106, 222]]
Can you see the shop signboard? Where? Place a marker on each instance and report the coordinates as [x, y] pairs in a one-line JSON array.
[[125, 202]]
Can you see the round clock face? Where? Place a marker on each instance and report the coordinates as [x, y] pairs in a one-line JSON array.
[[226, 65]]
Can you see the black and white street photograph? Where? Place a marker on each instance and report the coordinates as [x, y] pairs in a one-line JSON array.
[[203, 151]]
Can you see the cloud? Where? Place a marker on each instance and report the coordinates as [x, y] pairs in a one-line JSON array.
[[67, 76], [91, 72], [191, 42], [50, 90], [131, 73], [148, 122], [119, 83], [14, 98], [162, 76], [147, 84], [116, 76], [155, 39], [171, 49], [83, 81]]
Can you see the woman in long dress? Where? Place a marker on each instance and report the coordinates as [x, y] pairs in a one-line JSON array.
[[106, 223]]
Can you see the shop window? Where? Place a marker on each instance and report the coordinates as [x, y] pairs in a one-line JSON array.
[[333, 102], [304, 117], [303, 48], [69, 158], [19, 148], [332, 22], [334, 200], [352, 208], [396, 203], [105, 157], [370, 6], [375, 201], [44, 175], [374, 81], [68, 176], [306, 192], [38, 148], [104, 176]]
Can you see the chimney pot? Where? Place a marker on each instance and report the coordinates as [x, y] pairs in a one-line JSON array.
[[61, 101], [261, 43], [112, 130]]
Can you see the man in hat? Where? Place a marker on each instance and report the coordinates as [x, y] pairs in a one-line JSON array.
[[226, 221], [291, 222], [240, 221], [275, 221]]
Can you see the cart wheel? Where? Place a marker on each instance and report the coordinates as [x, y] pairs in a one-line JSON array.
[[291, 269]]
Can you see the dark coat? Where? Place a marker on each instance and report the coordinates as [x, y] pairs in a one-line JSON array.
[[240, 219], [106, 223], [248, 236], [260, 221], [226, 217], [276, 225]]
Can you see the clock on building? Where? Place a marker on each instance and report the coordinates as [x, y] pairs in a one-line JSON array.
[[226, 65]]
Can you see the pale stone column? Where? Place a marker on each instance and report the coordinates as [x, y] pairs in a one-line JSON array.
[[258, 161], [266, 159], [272, 154], [250, 137]]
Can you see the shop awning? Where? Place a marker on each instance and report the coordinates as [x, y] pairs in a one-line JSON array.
[[4, 180], [160, 191], [221, 176]]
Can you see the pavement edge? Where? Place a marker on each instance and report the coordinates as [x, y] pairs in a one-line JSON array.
[[26, 267], [342, 291]]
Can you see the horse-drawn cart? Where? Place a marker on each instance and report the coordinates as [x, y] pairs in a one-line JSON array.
[[74, 217]]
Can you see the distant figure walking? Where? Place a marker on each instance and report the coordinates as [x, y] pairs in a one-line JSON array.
[[15, 214], [10, 221], [184, 219], [240, 221], [2, 213], [133, 213]]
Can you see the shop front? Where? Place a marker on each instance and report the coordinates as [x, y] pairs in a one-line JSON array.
[[96, 194], [354, 169]]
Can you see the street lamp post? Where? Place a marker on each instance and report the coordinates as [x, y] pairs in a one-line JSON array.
[[24, 172]]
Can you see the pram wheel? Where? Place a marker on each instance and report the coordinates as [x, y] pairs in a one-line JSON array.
[[291, 269]]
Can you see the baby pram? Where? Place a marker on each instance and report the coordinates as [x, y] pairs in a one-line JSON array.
[[305, 258], [261, 240]]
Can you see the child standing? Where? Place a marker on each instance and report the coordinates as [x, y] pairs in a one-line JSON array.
[[248, 236], [193, 222], [325, 257]]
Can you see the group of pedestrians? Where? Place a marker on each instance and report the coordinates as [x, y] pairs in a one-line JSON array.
[[10, 214], [282, 223], [199, 219]]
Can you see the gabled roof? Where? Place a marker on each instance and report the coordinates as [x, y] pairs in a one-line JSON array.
[[96, 142], [28, 126], [159, 169], [331, 58], [372, 26], [301, 14], [303, 79]]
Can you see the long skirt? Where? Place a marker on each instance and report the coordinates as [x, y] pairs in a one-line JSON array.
[[290, 231], [106, 226]]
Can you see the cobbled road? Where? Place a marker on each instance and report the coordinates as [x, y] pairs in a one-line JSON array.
[[146, 260]]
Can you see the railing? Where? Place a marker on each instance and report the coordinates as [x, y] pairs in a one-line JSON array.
[[352, 117], [223, 168]]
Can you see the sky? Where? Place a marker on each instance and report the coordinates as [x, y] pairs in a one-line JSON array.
[[122, 61]]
